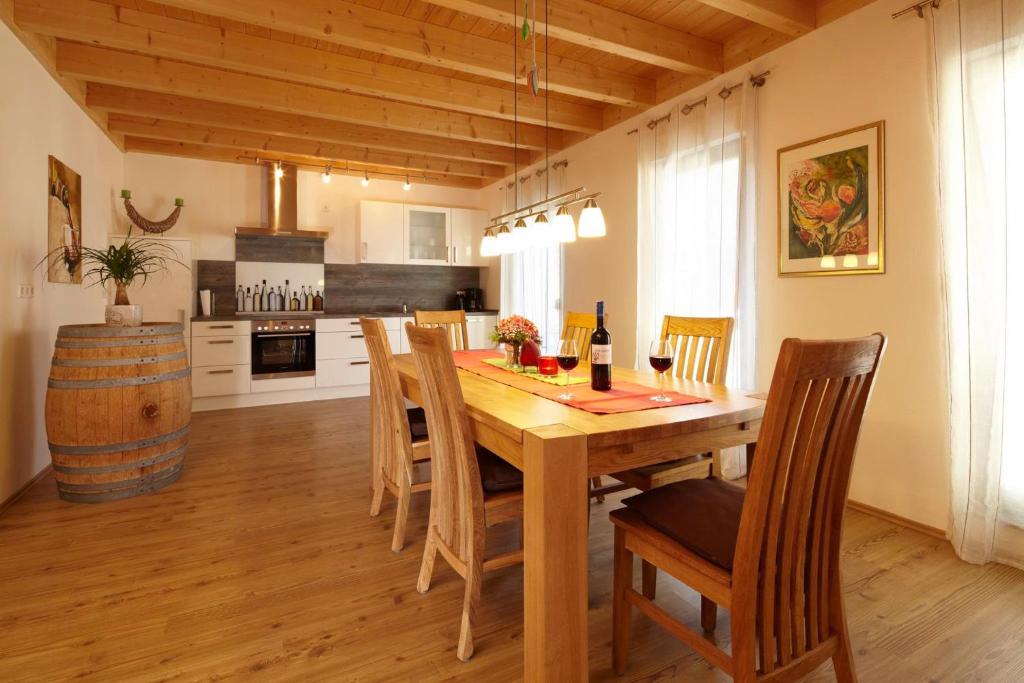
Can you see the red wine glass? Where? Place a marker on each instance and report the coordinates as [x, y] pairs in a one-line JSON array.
[[568, 359], [661, 360]]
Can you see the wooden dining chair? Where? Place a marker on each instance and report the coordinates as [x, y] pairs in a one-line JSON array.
[[473, 489], [398, 439], [770, 554], [700, 353], [454, 323]]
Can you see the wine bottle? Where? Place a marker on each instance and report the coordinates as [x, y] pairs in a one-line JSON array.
[[248, 301], [600, 354], [309, 298], [239, 300], [302, 298], [295, 301], [318, 302], [256, 298]]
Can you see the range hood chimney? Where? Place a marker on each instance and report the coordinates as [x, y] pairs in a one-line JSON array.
[[279, 204]]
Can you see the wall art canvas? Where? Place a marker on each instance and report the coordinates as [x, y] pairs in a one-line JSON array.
[[831, 204], [64, 224]]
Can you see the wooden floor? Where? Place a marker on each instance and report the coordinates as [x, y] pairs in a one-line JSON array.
[[263, 564]]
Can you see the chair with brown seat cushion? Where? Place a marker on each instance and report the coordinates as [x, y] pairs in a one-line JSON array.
[[472, 487], [453, 322], [769, 555], [398, 439]]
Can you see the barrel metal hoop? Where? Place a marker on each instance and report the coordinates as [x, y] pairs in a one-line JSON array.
[[109, 486], [153, 485], [114, 362], [111, 331], [120, 467], [102, 449], [113, 382], [115, 343]]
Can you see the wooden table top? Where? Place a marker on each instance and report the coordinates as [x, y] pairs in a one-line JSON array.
[[511, 411]]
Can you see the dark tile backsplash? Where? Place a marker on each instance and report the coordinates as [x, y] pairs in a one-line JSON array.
[[219, 278]]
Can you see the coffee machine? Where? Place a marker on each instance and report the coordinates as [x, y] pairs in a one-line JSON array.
[[470, 299]]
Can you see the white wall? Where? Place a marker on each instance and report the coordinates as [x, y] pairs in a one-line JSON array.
[[37, 118], [859, 69], [220, 196]]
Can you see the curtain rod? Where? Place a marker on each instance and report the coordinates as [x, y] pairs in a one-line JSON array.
[[917, 7], [756, 81]]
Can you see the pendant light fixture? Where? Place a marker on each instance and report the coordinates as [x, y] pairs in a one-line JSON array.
[[542, 231], [326, 175], [406, 185], [365, 182]]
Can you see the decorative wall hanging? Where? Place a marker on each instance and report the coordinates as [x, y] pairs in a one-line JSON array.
[[832, 204], [64, 225], [147, 225]]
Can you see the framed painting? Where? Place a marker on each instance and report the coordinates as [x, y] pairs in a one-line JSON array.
[[832, 204], [64, 224]]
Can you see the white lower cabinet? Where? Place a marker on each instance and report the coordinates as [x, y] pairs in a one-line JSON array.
[[207, 351], [341, 357], [223, 380], [339, 372], [478, 331]]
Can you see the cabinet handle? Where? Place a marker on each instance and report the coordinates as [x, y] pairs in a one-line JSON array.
[[221, 341], [355, 336], [354, 323], [359, 362], [455, 255], [222, 327], [219, 372]]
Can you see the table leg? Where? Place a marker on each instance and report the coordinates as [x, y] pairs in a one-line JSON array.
[[555, 592]]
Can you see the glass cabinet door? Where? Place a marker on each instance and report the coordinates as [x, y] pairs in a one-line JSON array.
[[427, 234]]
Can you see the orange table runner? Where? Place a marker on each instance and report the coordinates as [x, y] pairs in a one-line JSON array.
[[624, 397]]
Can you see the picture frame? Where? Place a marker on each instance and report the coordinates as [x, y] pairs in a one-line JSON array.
[[831, 204]]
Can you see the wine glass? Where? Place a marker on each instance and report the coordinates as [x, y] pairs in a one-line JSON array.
[[568, 359], [661, 360]]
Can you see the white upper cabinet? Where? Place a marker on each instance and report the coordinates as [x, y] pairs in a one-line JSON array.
[[428, 235], [380, 232], [467, 231]]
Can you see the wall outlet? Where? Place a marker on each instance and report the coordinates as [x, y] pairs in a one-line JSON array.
[[26, 291]]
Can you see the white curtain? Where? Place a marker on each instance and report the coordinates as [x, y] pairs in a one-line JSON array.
[[531, 280], [696, 240], [978, 53]]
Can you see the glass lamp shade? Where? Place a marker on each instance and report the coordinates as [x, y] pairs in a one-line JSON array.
[[592, 220], [520, 235], [503, 240], [540, 231], [564, 225], [489, 244]]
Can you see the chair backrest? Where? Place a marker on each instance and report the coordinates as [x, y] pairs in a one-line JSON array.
[[391, 435], [580, 326], [786, 569], [456, 498], [454, 323], [701, 347]]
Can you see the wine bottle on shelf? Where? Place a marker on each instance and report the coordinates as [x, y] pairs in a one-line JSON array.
[[295, 301], [264, 301], [600, 354], [302, 298], [256, 298], [318, 302], [309, 299], [248, 300], [239, 300]]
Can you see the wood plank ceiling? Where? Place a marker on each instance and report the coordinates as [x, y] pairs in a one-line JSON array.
[[388, 87]]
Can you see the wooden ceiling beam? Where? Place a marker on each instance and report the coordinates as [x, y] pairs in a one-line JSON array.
[[124, 28], [103, 65], [365, 28], [335, 154], [247, 157], [594, 26], [789, 17]]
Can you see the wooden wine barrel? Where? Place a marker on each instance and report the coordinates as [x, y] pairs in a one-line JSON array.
[[118, 409]]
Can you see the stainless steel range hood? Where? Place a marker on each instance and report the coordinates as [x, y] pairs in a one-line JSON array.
[[279, 205]]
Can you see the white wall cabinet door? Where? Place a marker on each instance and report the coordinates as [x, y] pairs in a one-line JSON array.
[[467, 231], [479, 328], [428, 235], [381, 232]]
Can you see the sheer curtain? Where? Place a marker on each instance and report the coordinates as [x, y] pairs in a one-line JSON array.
[[979, 113], [696, 225], [531, 280]]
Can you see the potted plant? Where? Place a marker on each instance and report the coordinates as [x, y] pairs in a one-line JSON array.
[[513, 332]]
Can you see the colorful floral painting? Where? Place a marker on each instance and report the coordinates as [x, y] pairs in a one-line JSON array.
[[64, 224], [830, 216]]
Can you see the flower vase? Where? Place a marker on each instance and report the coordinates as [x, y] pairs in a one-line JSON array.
[[512, 357]]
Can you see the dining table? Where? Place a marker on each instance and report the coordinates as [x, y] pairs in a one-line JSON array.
[[559, 448]]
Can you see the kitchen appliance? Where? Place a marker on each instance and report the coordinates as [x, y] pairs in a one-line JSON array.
[[461, 302], [474, 299], [283, 348]]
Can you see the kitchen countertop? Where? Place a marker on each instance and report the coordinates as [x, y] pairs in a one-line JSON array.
[[307, 314]]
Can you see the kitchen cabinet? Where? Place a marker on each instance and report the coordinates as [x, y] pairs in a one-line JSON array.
[[221, 358], [380, 232], [427, 235], [467, 231], [478, 330], [341, 356]]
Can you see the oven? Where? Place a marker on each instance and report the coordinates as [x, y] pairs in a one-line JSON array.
[[283, 348]]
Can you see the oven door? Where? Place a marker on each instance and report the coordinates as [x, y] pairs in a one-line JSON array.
[[283, 354]]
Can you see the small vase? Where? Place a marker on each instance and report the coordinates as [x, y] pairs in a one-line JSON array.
[[124, 316], [512, 361]]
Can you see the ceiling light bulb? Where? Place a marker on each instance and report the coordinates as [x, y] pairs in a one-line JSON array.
[[592, 220], [365, 182], [278, 171], [489, 244], [564, 225], [326, 175], [406, 185]]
